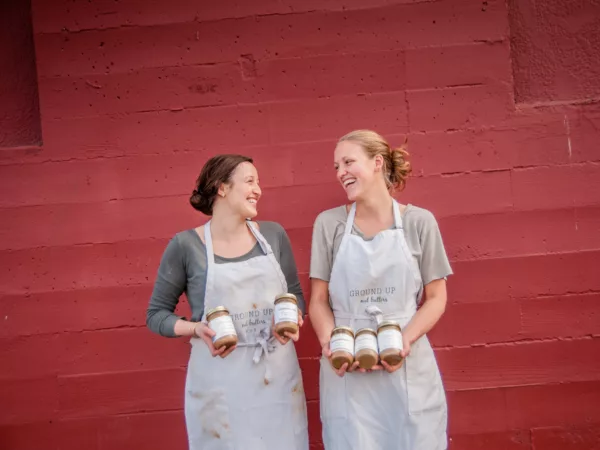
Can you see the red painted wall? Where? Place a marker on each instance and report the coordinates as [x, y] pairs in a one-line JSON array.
[[136, 95]]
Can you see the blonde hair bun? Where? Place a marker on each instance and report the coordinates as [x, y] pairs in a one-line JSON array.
[[397, 168]]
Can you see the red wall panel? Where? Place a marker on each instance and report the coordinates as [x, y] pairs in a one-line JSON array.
[[135, 96]]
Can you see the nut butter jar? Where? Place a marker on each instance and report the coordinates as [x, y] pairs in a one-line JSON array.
[[389, 339], [342, 346], [365, 348], [221, 323], [286, 314]]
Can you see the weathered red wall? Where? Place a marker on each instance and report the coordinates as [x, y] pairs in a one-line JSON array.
[[136, 95]]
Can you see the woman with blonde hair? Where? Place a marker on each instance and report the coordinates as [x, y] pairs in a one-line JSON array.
[[372, 261]]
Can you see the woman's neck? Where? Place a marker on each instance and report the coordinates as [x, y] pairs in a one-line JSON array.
[[375, 206], [227, 227]]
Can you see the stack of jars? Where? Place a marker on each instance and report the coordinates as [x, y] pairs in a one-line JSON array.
[[367, 346]]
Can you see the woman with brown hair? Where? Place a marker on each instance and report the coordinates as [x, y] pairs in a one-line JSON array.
[[370, 263], [249, 396]]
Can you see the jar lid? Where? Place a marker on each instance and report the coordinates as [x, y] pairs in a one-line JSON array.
[[287, 296], [388, 323], [343, 330], [216, 310], [366, 330]]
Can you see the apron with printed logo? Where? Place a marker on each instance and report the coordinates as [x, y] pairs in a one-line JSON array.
[[253, 399], [372, 281]]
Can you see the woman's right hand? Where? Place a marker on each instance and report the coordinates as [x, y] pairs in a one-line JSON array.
[[342, 370], [204, 332]]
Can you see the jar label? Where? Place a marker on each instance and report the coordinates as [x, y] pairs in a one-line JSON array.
[[389, 339], [286, 312], [343, 342], [365, 341], [222, 326]]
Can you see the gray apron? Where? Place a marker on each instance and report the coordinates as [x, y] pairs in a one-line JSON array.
[[254, 398], [372, 281]]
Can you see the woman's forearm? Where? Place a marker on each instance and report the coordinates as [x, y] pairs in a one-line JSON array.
[[321, 318], [319, 311], [185, 328], [429, 314]]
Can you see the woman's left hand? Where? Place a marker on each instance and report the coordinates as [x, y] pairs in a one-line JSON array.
[[374, 368], [287, 335], [404, 353], [406, 346]]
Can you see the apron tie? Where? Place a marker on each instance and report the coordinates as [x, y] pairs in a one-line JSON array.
[[265, 344], [375, 313]]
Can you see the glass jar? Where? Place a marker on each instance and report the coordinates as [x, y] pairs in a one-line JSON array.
[[342, 346], [365, 348], [389, 339], [286, 314], [221, 323]]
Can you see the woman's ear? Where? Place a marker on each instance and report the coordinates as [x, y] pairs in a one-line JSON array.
[[223, 189], [378, 163]]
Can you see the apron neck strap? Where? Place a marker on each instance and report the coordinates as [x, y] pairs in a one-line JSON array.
[[264, 245], [397, 215], [210, 254], [350, 219], [352, 215]]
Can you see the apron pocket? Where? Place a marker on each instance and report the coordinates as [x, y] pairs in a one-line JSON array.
[[207, 413], [208, 420], [425, 391], [299, 413], [332, 393]]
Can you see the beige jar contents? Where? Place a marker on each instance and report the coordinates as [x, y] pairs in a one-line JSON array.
[[221, 323], [365, 348], [342, 346], [286, 314], [389, 339]]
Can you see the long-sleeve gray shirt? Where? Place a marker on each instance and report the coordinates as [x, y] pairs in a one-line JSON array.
[[183, 269]]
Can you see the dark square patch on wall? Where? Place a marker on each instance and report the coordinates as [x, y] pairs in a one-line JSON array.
[[555, 50], [19, 105]]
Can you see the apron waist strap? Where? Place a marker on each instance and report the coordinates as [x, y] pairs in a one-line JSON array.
[[265, 344], [263, 347], [374, 313]]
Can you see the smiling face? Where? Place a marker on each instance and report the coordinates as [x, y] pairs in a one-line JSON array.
[[242, 193], [356, 172]]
